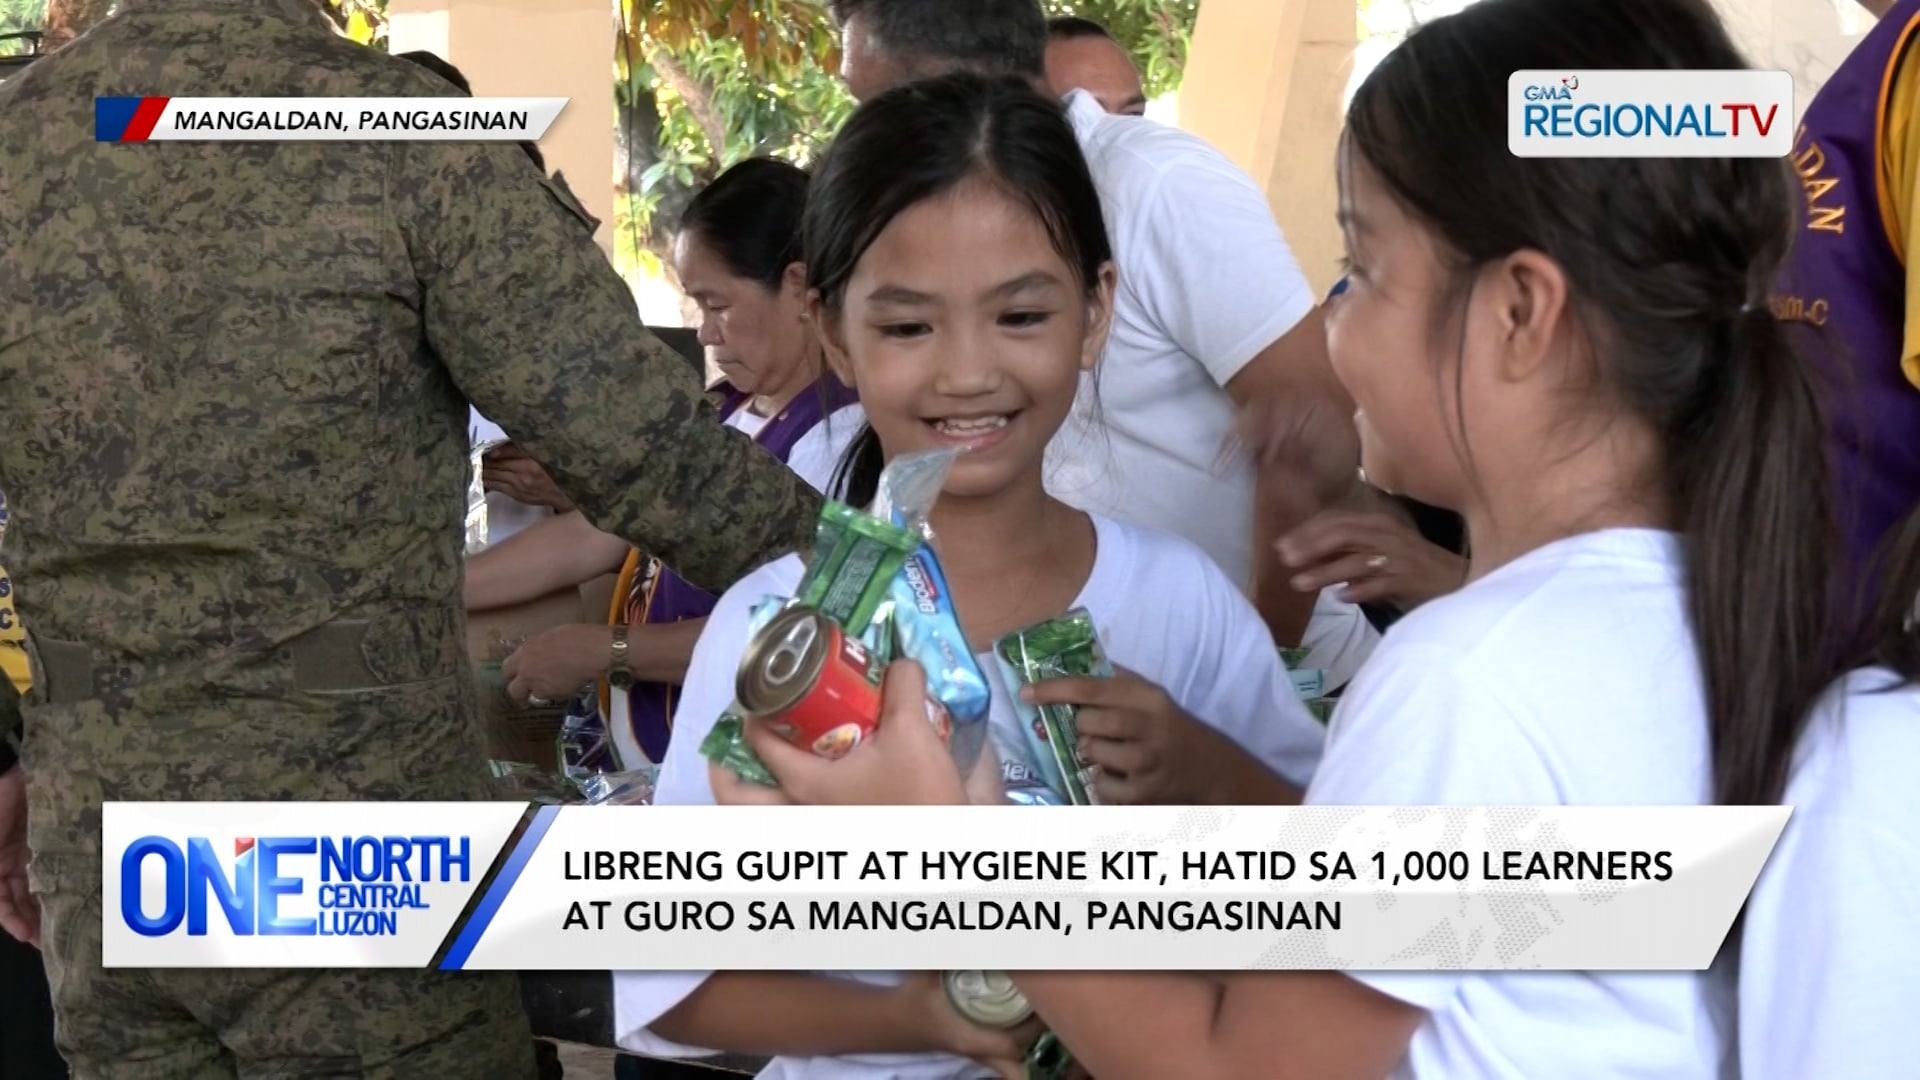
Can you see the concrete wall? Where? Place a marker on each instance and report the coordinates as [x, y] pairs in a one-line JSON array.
[[1267, 83], [533, 48], [1264, 83]]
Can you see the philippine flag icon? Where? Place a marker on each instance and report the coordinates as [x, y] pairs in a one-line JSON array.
[[126, 119]]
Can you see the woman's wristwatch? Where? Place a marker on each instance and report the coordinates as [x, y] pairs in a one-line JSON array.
[[619, 669]]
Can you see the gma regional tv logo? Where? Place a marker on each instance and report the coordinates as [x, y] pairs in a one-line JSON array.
[[288, 886], [1656, 114]]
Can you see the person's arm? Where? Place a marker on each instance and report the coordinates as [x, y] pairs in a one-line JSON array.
[[1288, 391], [663, 653], [787, 1013], [537, 329], [555, 554], [1225, 287], [1281, 1025]]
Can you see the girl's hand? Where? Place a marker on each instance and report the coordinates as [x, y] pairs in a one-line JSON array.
[[1380, 557], [902, 763], [554, 666], [1147, 748], [923, 1002]]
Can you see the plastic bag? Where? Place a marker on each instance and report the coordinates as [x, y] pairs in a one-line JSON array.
[[925, 625], [476, 521], [1058, 648], [632, 787]]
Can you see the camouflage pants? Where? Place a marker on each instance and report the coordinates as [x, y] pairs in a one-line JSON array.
[[164, 1024]]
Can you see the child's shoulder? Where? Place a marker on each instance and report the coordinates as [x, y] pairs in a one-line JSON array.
[[1144, 575], [1152, 559]]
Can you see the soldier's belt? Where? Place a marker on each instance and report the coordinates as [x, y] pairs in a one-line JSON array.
[[330, 658]]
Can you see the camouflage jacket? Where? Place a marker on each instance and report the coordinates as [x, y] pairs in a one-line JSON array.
[[235, 378]]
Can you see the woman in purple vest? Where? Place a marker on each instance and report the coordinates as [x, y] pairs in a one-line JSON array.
[[1845, 292], [737, 257]]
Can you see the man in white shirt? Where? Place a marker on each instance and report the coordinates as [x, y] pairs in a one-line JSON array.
[[1213, 319], [1082, 55]]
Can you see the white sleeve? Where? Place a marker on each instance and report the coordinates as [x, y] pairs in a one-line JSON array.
[[1237, 683], [1220, 280], [1415, 729], [641, 997], [1827, 972]]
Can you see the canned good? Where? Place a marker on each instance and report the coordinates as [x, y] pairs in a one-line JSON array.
[[817, 687], [987, 998]]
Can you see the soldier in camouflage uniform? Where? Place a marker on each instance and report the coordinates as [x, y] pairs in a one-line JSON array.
[[234, 378]]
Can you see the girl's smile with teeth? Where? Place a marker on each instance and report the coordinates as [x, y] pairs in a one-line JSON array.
[[972, 432]]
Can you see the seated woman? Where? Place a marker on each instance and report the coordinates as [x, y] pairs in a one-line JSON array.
[[738, 258]]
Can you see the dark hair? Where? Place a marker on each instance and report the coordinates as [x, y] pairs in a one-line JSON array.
[[1072, 27], [750, 215], [1897, 644], [922, 139], [1668, 262], [992, 37], [435, 64]]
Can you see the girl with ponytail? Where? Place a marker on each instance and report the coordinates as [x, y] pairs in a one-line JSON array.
[[1575, 355], [1832, 930]]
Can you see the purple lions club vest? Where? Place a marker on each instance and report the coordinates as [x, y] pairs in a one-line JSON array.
[[1842, 295], [673, 599]]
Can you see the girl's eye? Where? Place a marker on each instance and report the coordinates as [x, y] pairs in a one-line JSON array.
[[904, 330], [1021, 320]]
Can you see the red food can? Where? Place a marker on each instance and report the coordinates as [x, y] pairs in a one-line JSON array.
[[819, 688]]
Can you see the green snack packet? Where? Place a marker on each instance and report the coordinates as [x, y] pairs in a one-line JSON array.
[[727, 746], [855, 558], [1058, 648], [1322, 708], [1294, 657]]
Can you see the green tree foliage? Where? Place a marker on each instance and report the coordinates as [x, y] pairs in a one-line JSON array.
[[17, 16], [700, 84]]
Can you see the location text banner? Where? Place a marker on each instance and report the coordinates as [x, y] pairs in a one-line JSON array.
[[1120, 888], [324, 119]]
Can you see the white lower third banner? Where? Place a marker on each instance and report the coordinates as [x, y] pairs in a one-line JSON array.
[[1006, 888]]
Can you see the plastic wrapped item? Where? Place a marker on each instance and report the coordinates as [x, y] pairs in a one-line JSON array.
[[476, 521], [1058, 648], [855, 558], [519, 780], [584, 747], [726, 746], [1310, 683], [632, 787], [925, 625]]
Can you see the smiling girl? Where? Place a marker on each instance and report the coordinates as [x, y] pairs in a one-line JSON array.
[[1574, 354], [962, 284]]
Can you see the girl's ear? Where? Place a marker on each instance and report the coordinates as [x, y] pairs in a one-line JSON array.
[[1528, 294], [827, 329], [1099, 316]]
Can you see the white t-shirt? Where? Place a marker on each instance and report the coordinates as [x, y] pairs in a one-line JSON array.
[[746, 420], [1162, 609], [1207, 282], [1830, 950], [818, 453], [1567, 676]]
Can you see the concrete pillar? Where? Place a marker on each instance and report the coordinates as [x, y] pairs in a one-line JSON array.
[[1808, 38], [1264, 82], [533, 48]]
